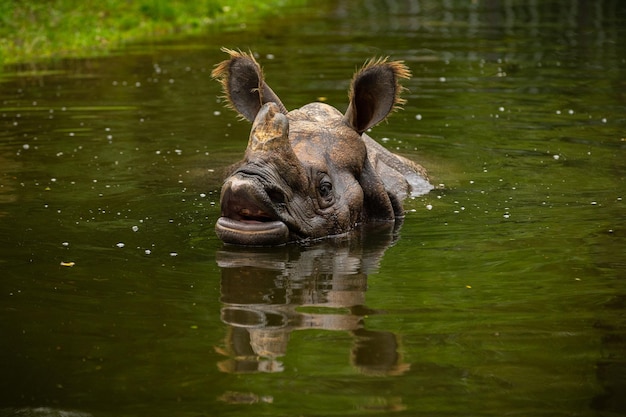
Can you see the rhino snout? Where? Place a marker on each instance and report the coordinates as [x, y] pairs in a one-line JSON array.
[[249, 216], [246, 200]]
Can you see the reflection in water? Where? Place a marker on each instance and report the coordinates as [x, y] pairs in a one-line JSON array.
[[267, 293]]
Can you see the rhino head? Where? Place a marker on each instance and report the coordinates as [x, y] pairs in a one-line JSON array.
[[311, 172]]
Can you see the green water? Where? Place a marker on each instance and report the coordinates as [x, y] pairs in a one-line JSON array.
[[502, 293]]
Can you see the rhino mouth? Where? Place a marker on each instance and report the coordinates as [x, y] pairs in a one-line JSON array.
[[248, 215]]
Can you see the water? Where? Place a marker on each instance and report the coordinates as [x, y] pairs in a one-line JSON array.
[[502, 292]]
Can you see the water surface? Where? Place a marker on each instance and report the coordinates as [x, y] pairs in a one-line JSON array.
[[502, 292]]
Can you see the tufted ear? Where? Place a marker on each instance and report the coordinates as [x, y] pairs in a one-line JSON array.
[[243, 85], [375, 92]]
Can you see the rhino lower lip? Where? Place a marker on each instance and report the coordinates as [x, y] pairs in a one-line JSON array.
[[251, 232], [248, 214]]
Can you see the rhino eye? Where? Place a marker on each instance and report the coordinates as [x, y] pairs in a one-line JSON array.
[[325, 194], [325, 189]]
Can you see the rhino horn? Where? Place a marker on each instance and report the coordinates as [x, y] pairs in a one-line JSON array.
[[270, 131], [269, 143]]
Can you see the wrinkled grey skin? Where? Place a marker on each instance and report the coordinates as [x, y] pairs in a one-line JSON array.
[[312, 172]]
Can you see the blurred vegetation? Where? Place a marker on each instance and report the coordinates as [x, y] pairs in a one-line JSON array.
[[32, 30]]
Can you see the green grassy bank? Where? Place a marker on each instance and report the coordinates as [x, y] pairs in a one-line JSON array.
[[31, 30]]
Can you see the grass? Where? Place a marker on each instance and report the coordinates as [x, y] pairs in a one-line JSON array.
[[32, 30]]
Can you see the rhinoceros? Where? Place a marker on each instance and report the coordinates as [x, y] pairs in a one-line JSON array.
[[312, 172]]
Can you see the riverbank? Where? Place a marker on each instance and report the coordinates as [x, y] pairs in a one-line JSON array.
[[31, 31]]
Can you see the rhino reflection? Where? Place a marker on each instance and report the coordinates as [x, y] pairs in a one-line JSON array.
[[269, 292]]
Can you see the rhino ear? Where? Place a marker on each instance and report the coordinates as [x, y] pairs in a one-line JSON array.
[[375, 92], [243, 85]]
